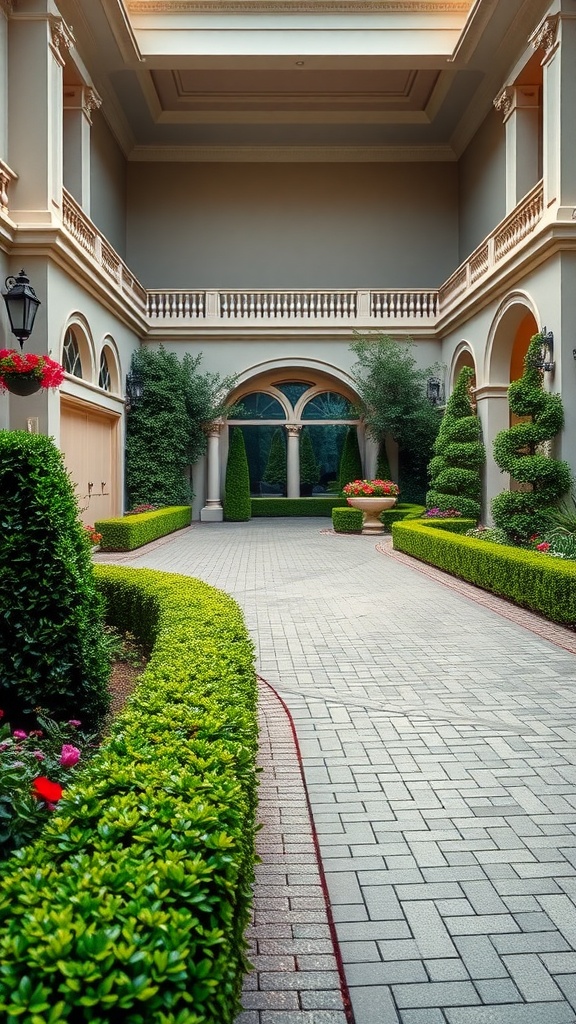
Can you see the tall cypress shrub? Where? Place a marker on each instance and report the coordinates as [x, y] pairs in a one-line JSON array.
[[350, 461], [309, 468], [52, 651], [383, 466], [518, 451], [237, 502], [277, 467], [458, 454]]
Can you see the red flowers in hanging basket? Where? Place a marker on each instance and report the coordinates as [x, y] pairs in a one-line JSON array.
[[38, 371]]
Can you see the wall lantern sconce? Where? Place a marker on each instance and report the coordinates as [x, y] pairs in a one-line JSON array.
[[545, 361], [434, 390], [22, 305], [134, 389]]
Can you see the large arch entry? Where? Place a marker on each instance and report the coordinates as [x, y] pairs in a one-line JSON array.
[[284, 414]]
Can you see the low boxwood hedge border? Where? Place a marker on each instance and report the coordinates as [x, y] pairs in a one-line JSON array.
[[128, 532], [132, 904], [271, 507], [528, 578], [346, 519]]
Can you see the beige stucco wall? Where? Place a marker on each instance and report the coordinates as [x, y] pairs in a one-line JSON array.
[[292, 225], [3, 85], [107, 184], [482, 184]]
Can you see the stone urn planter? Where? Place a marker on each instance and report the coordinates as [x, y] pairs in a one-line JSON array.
[[371, 508]]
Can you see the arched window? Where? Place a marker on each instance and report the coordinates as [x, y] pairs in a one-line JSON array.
[[71, 354], [260, 406], [104, 379], [328, 406], [293, 390]]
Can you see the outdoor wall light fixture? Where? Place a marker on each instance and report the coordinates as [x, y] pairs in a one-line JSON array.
[[134, 389], [545, 361], [22, 305], [434, 390]]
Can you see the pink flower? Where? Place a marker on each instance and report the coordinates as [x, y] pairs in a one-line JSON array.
[[74, 722], [544, 546], [19, 734], [69, 755], [38, 755]]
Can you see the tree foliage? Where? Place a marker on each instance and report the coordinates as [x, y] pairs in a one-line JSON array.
[[276, 467], [458, 454], [518, 451], [309, 468], [165, 432], [350, 460], [237, 503], [392, 388]]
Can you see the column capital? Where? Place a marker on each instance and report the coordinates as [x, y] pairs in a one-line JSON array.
[[545, 37], [7, 6], [293, 429], [214, 429], [514, 98], [82, 97], [505, 101], [61, 39]]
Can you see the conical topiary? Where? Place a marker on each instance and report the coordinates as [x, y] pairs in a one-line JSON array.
[[350, 460], [383, 465], [309, 468], [237, 502], [276, 467], [516, 450], [458, 455]]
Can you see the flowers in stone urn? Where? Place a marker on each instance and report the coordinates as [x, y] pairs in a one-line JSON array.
[[25, 374], [371, 489]]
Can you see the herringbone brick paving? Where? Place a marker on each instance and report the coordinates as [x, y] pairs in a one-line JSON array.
[[438, 744]]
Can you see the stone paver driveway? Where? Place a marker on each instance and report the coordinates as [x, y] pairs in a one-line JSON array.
[[439, 748]]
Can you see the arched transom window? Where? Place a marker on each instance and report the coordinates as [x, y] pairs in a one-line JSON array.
[[104, 379], [71, 360]]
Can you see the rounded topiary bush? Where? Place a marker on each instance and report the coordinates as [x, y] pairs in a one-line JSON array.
[[458, 455], [52, 649], [237, 503]]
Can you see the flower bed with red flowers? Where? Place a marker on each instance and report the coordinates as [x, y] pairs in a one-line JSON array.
[[371, 489], [48, 372]]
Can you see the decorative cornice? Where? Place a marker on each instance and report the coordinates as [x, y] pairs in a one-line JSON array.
[[546, 35], [292, 154], [62, 39], [505, 100], [92, 101], [298, 6], [7, 6]]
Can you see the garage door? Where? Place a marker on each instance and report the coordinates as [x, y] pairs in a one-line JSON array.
[[89, 439]]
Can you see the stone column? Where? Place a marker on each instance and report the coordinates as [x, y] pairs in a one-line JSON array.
[[555, 39], [370, 456], [293, 460], [38, 42], [213, 511], [494, 413], [520, 106], [79, 102]]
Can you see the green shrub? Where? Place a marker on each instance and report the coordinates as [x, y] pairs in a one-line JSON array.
[[516, 450], [350, 461], [275, 507], [347, 520], [309, 468], [458, 455], [52, 654], [276, 466], [398, 513], [134, 530], [237, 508], [383, 471], [529, 578], [132, 905]]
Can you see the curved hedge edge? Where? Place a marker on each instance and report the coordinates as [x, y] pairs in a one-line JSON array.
[[530, 579], [133, 902], [128, 532]]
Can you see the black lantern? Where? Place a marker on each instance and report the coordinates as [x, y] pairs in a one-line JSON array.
[[134, 388], [434, 390], [22, 305], [545, 360]]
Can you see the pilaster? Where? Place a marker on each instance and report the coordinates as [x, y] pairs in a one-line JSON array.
[[555, 40], [293, 460], [494, 414], [520, 108], [79, 103]]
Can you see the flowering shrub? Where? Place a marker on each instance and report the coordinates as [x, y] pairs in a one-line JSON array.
[[436, 513], [371, 489], [493, 534], [35, 767], [92, 535], [556, 543], [47, 371], [142, 508]]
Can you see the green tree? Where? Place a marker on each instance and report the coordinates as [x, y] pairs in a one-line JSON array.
[[392, 389], [52, 649], [309, 468], [459, 454], [276, 467], [237, 502], [383, 465], [350, 461], [518, 452], [165, 432]]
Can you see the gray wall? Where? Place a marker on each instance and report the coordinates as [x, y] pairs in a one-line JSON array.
[[107, 184], [482, 183], [292, 225]]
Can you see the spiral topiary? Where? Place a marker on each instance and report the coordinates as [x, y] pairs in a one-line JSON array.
[[458, 454], [237, 504], [523, 513]]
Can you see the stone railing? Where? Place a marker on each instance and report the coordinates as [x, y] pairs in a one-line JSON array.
[[7, 176], [364, 307], [86, 234], [504, 239]]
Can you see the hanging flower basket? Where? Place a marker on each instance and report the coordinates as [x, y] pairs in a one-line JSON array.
[[26, 374]]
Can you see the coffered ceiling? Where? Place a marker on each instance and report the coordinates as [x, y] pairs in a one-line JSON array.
[[297, 79]]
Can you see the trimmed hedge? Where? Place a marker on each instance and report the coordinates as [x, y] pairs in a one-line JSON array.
[[129, 532], [400, 512], [271, 507], [132, 904], [529, 578], [349, 520]]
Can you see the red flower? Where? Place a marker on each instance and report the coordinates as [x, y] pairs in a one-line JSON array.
[[46, 790], [544, 546]]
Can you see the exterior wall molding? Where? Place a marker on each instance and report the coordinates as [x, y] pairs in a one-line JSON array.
[[62, 39], [7, 6], [7, 176], [91, 101], [297, 6], [546, 36], [292, 154], [504, 101]]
